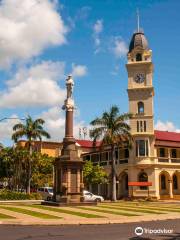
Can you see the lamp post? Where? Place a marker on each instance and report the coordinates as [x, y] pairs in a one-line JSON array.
[[11, 119]]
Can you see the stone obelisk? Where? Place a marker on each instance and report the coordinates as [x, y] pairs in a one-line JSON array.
[[68, 184]]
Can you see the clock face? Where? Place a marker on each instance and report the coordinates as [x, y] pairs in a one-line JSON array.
[[139, 78]]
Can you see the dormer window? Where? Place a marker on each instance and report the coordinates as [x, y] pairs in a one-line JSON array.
[[138, 57], [140, 107]]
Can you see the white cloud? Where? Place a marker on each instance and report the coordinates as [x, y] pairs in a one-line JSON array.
[[97, 29], [34, 87], [6, 128], [55, 122], [79, 70], [27, 27], [98, 26], [166, 126], [119, 47]]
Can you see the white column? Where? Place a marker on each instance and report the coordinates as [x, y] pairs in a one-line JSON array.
[[169, 155], [170, 188], [156, 183]]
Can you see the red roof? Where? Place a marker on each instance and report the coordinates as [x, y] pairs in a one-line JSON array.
[[167, 136], [87, 143]]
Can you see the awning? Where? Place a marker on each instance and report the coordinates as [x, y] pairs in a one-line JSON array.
[[141, 184]]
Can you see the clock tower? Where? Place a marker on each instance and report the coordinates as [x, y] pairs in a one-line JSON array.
[[140, 93]]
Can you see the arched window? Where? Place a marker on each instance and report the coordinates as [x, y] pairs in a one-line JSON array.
[[140, 107], [138, 57], [175, 182], [163, 182], [143, 177]]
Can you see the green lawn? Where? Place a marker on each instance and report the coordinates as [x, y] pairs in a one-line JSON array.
[[150, 207], [118, 208], [96, 209], [133, 209], [63, 210], [4, 216], [30, 212]]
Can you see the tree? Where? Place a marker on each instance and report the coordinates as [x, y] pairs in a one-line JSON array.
[[113, 129], [32, 130], [42, 171], [6, 165], [93, 174]]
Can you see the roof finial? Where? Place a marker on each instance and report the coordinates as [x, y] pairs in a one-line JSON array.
[[137, 19]]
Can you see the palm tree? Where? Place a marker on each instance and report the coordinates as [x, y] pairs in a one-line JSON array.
[[32, 130], [1, 146], [113, 129]]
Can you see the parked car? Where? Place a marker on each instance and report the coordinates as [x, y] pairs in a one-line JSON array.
[[46, 193], [90, 197]]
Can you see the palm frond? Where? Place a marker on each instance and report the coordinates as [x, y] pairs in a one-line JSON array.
[[112, 127], [18, 126]]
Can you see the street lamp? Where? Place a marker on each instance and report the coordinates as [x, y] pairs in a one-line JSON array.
[[6, 118]]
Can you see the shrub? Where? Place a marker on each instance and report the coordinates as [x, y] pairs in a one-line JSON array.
[[11, 195]]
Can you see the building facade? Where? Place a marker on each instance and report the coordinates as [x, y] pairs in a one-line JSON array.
[[155, 155]]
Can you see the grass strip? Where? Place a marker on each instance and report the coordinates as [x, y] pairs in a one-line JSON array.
[[4, 216], [151, 208], [30, 212], [60, 210], [165, 209], [132, 209], [96, 209]]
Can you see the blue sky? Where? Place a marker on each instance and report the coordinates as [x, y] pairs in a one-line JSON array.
[[43, 41]]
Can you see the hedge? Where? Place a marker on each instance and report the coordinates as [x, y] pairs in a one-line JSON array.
[[11, 195]]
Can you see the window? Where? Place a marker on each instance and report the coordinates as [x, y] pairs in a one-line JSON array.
[[163, 182], [162, 152], [142, 148], [126, 153], [138, 57], [87, 158], [173, 153], [175, 182], [141, 126], [143, 177], [116, 154], [137, 126], [140, 107], [144, 126], [95, 157]]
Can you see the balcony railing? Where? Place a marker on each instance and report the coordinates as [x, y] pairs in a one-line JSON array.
[[175, 160], [163, 159], [168, 160], [123, 161]]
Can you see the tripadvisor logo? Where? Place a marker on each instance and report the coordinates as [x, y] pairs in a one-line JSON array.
[[138, 231]]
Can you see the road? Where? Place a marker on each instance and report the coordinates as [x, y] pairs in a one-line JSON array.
[[90, 232]]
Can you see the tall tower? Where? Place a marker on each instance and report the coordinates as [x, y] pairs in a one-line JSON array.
[[141, 93]]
